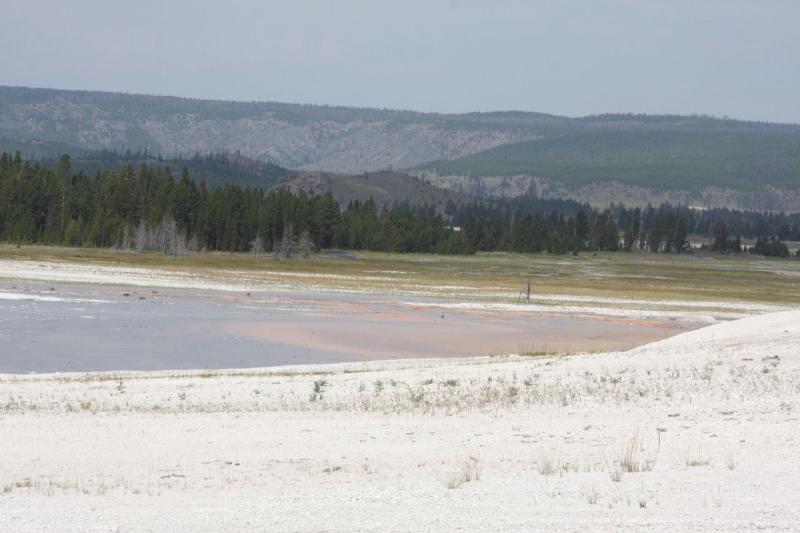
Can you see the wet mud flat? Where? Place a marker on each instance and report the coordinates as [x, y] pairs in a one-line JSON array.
[[75, 327]]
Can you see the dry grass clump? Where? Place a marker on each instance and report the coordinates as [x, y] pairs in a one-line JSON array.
[[615, 471], [51, 486], [633, 458], [697, 460], [590, 494], [470, 471], [731, 461], [547, 465]]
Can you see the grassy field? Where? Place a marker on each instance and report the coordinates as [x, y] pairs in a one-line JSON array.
[[495, 276]]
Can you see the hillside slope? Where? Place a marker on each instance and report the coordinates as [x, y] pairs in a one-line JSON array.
[[385, 188], [747, 169], [637, 159], [678, 160], [214, 169], [38, 149], [299, 136]]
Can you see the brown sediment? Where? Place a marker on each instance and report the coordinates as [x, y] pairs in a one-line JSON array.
[[364, 332]]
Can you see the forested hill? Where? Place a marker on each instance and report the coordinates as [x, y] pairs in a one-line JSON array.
[[672, 159], [335, 139], [214, 169], [635, 159], [384, 188], [147, 208], [739, 168], [39, 149]]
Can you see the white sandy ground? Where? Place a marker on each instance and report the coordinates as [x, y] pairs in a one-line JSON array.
[[711, 418], [702, 311]]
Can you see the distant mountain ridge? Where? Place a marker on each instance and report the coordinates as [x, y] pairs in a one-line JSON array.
[[636, 158], [337, 139]]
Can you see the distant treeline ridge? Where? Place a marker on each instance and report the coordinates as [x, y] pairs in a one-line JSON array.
[[113, 207]]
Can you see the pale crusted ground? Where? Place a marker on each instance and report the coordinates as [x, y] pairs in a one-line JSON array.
[[698, 432], [384, 283]]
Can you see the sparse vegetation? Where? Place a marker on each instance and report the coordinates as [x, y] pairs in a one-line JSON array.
[[697, 459], [723, 280], [469, 471], [634, 458], [615, 471], [547, 464], [591, 494], [318, 389], [731, 461]]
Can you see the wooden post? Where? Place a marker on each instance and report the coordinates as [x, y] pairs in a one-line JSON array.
[[529, 286]]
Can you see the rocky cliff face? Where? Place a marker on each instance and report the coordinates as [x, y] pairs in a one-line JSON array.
[[302, 137], [601, 194], [358, 146]]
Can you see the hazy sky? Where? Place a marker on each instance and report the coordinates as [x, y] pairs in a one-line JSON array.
[[721, 57]]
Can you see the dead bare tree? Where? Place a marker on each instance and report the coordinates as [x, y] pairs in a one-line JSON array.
[[291, 246], [257, 245], [284, 248], [164, 238], [304, 245], [141, 237], [125, 242]]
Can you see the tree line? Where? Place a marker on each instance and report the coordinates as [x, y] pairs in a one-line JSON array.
[[148, 208]]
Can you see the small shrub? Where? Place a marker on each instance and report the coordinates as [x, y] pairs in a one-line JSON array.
[[547, 465], [470, 471], [615, 471], [416, 395], [455, 480], [318, 390]]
